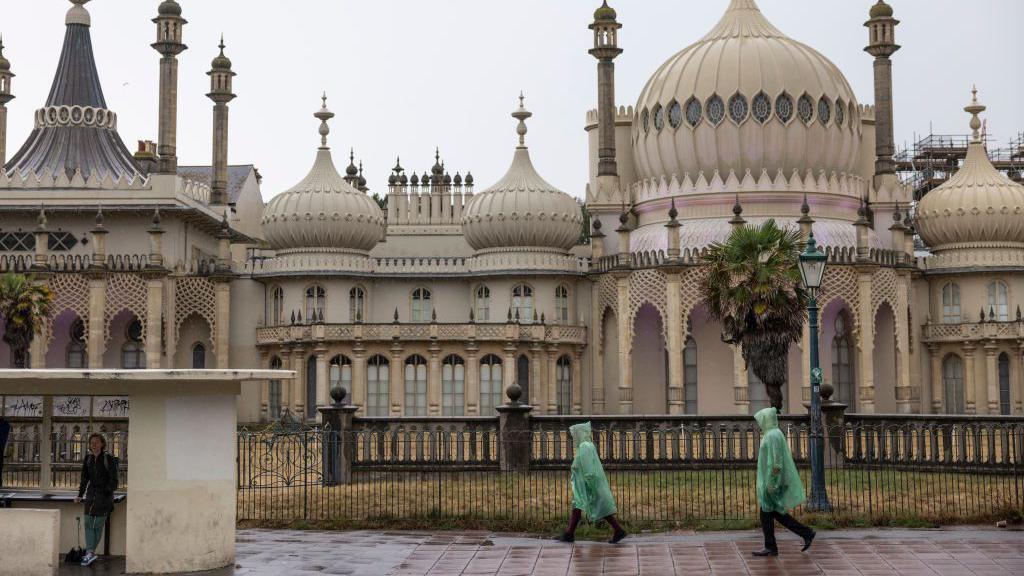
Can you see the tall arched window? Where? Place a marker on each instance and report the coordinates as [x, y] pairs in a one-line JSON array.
[[311, 384], [997, 301], [198, 356], [378, 383], [453, 386], [1004, 384], [421, 305], [76, 354], [274, 392], [356, 304], [415, 386], [316, 303], [690, 375], [133, 353], [340, 374], [276, 306], [951, 304], [562, 305], [842, 362], [490, 384], [953, 383], [482, 304], [522, 303], [563, 384], [523, 375]]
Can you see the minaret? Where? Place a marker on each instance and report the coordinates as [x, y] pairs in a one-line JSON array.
[[5, 97], [882, 45], [220, 92], [606, 49], [169, 24]]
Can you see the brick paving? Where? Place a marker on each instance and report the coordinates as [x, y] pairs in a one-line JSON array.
[[961, 551]]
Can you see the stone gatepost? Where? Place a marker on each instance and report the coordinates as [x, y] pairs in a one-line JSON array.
[[514, 432], [833, 421], [338, 443]]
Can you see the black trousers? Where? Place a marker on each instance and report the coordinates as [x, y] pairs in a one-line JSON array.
[[768, 527]]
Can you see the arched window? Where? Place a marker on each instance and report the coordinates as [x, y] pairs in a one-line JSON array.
[[133, 353], [356, 304], [274, 392], [690, 375], [997, 301], [453, 386], [378, 382], [562, 305], [340, 374], [311, 385], [482, 304], [1004, 384], [76, 354], [415, 386], [316, 303], [421, 305], [953, 384], [198, 356], [490, 384], [951, 304], [563, 384], [522, 303], [842, 362], [276, 306]]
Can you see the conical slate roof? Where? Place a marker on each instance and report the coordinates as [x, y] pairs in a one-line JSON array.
[[75, 132]]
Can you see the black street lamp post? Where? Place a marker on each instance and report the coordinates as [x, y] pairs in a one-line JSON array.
[[812, 270]]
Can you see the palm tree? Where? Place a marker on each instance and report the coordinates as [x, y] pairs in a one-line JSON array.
[[753, 288], [24, 306]]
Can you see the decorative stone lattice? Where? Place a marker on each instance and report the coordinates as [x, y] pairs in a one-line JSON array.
[[883, 289], [607, 294], [70, 292], [840, 283], [125, 292], [647, 287], [690, 295], [195, 295]]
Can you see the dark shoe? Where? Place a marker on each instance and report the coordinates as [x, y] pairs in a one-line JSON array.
[[617, 537], [566, 538], [807, 541], [766, 552]]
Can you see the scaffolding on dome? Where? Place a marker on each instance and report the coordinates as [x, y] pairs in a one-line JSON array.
[[930, 161]]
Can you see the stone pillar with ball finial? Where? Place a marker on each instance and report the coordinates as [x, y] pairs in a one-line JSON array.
[[514, 431]]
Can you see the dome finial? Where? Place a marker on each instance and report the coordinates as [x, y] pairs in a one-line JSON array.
[[324, 115], [975, 108], [522, 114]]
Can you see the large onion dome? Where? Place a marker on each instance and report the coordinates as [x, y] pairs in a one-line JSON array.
[[745, 97], [978, 207], [323, 212], [522, 210]]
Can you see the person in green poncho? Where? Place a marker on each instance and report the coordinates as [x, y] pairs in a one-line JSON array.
[[779, 488], [590, 491]]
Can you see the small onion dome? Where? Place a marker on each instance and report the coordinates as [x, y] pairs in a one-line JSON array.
[[881, 10], [323, 211], [977, 207], [605, 12], [392, 180], [447, 179], [522, 210], [5, 64], [469, 178], [415, 180], [403, 179], [221, 62], [169, 8], [458, 179]]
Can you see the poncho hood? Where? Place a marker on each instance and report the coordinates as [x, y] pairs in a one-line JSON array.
[[767, 419], [581, 433]]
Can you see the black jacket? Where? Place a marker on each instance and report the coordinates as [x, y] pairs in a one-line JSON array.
[[99, 480]]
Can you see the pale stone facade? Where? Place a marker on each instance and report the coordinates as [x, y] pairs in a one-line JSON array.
[[436, 301]]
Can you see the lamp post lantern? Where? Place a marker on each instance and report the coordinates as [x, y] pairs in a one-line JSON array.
[[812, 270]]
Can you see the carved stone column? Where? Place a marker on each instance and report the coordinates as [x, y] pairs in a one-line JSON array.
[[577, 381], [935, 353], [1017, 373], [676, 393], [865, 343], [472, 379], [96, 339], [970, 394], [509, 365], [359, 381], [597, 352], [536, 392], [625, 346], [396, 384], [741, 386], [322, 387], [992, 377], [434, 380], [222, 344], [908, 396], [264, 357], [299, 384], [154, 320], [805, 358], [551, 368]]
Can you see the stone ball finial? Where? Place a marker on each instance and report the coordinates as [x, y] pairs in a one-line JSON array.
[[522, 114], [975, 108], [826, 390], [514, 393], [338, 394]]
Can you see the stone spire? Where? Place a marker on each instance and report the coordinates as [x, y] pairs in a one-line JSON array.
[[5, 97], [221, 77], [169, 24], [882, 45], [606, 50]]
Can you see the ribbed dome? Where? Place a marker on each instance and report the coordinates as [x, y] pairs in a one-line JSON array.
[[977, 207], [522, 210], [746, 97], [323, 211]]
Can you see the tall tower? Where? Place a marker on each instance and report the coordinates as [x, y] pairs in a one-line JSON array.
[[220, 92], [168, 43], [882, 44], [5, 97], [606, 49]]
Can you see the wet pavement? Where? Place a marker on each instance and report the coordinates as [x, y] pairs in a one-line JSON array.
[[948, 552]]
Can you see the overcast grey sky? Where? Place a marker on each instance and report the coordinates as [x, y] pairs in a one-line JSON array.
[[406, 75]]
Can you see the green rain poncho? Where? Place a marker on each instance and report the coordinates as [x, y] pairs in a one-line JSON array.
[[779, 488], [590, 491]]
